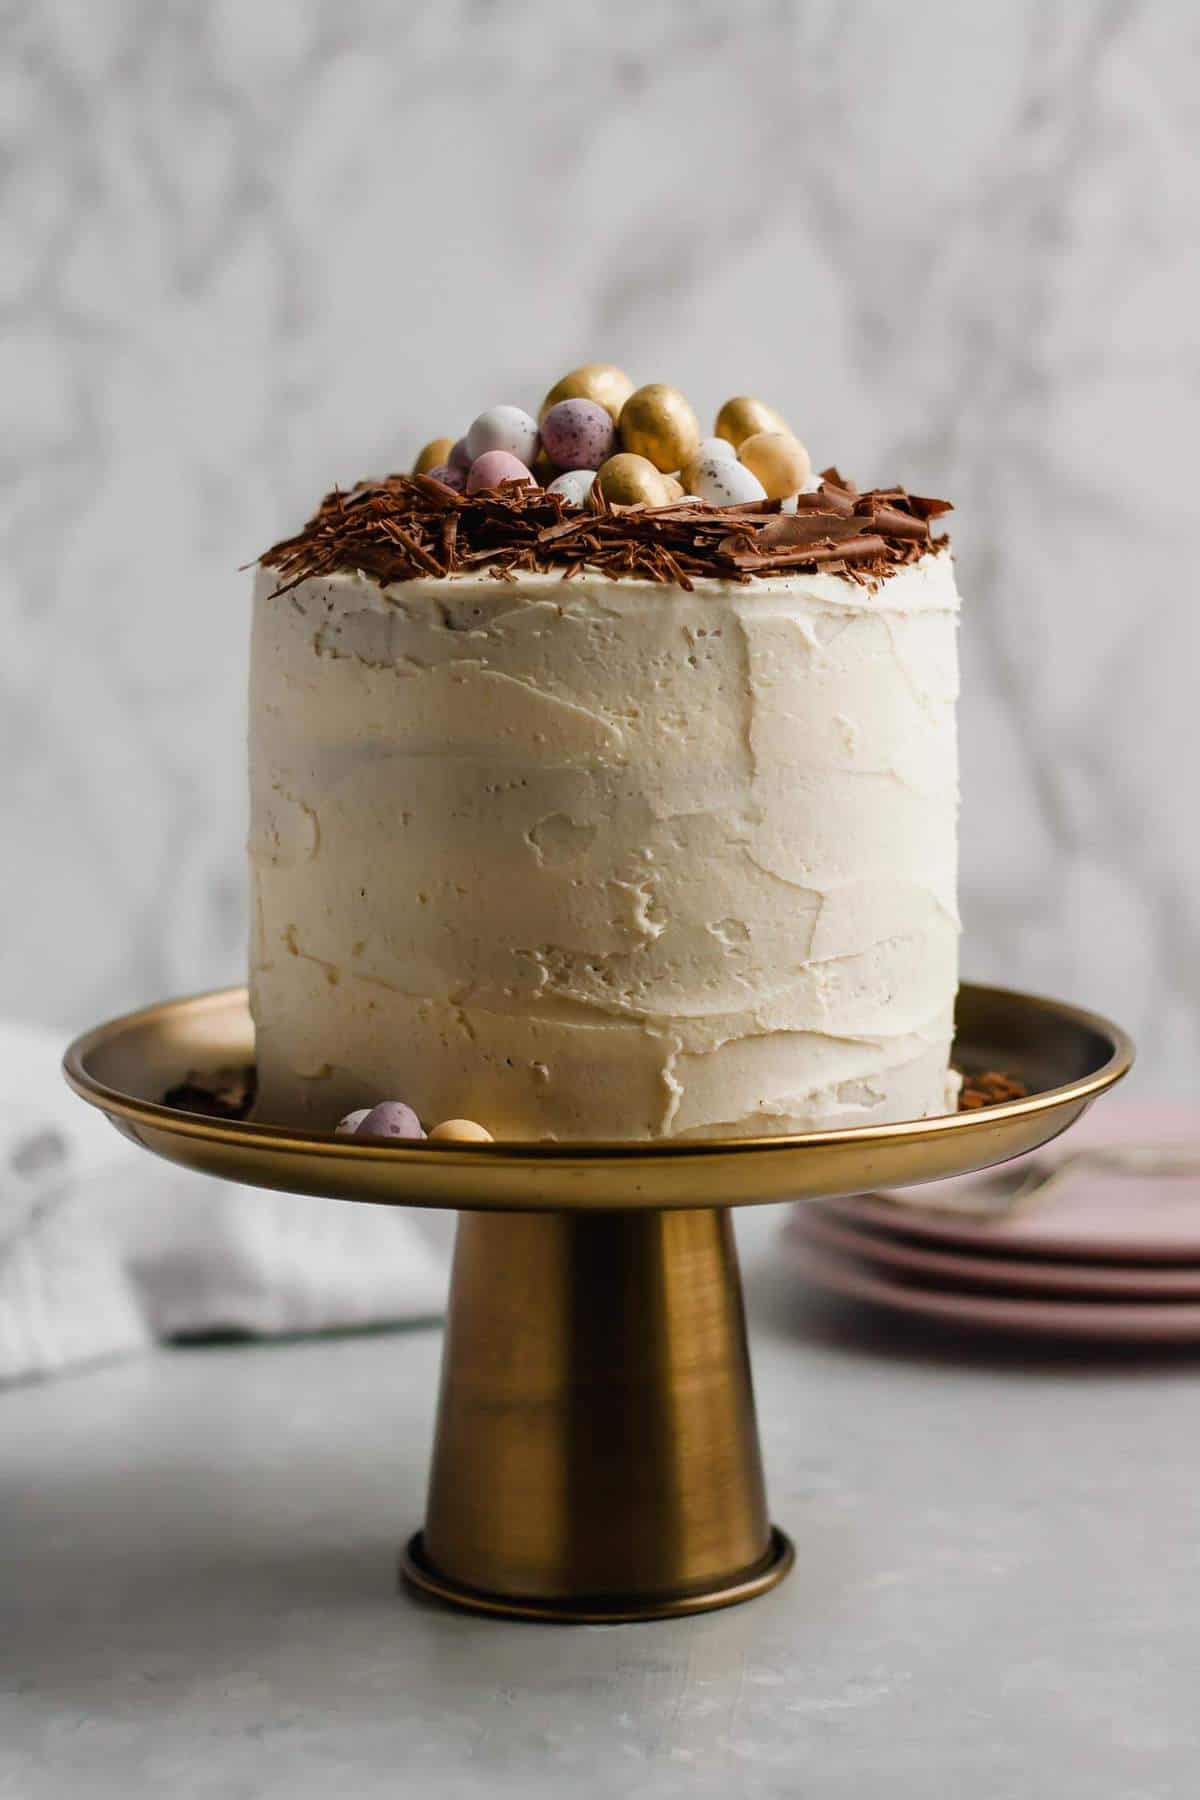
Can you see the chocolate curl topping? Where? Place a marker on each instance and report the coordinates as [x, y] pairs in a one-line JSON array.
[[405, 527]]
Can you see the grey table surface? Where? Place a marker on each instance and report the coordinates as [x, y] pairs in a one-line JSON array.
[[996, 1590]]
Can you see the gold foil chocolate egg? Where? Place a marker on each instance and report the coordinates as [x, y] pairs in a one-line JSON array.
[[657, 422], [436, 451], [779, 460], [743, 417], [629, 480], [604, 383], [460, 1131]]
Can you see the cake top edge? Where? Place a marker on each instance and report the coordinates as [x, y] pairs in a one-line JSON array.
[[411, 527]]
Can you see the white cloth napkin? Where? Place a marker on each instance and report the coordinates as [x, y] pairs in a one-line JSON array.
[[105, 1249]]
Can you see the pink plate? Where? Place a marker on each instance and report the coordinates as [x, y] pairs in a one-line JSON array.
[[1084, 1321], [819, 1225], [1097, 1211]]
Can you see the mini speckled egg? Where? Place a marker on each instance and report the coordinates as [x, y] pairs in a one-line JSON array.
[[436, 451], [459, 455], [658, 422], [576, 484], [724, 483], [503, 428], [460, 1131], [349, 1125], [390, 1119], [629, 480], [779, 460], [578, 434], [712, 449], [719, 447], [493, 467], [452, 475]]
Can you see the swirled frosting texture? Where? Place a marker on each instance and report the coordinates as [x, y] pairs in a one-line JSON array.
[[603, 858]]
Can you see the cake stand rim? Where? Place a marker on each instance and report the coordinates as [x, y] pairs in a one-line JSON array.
[[558, 1153]]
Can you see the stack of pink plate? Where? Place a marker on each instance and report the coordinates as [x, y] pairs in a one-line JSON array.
[[1096, 1238]]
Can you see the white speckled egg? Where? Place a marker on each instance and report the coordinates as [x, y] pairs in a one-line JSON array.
[[349, 1125], [503, 428], [724, 483], [578, 434], [715, 446], [576, 484]]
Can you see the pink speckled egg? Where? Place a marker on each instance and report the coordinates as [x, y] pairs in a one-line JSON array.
[[452, 475], [493, 467], [578, 434], [390, 1119], [460, 456]]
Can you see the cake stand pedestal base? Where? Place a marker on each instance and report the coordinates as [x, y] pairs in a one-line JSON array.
[[596, 1455]]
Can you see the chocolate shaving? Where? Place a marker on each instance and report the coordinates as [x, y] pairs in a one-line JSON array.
[[990, 1088], [404, 527], [222, 1094], [787, 530]]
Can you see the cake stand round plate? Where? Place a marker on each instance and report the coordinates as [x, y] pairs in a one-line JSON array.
[[596, 1456], [1064, 1056]]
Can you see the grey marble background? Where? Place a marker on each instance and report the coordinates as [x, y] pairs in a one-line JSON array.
[[251, 248]]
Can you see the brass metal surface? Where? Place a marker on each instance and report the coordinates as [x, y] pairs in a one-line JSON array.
[[585, 1610], [596, 1454], [596, 1436], [1065, 1056]]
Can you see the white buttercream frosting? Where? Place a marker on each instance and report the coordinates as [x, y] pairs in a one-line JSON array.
[[597, 858]]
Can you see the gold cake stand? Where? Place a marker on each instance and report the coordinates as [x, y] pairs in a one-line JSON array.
[[596, 1456]]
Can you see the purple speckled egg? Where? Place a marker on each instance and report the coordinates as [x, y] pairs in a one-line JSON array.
[[460, 456], [349, 1125], [578, 434], [390, 1119], [452, 475], [493, 467]]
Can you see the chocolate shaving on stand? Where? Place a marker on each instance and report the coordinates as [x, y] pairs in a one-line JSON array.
[[405, 527], [219, 1094], [990, 1088]]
